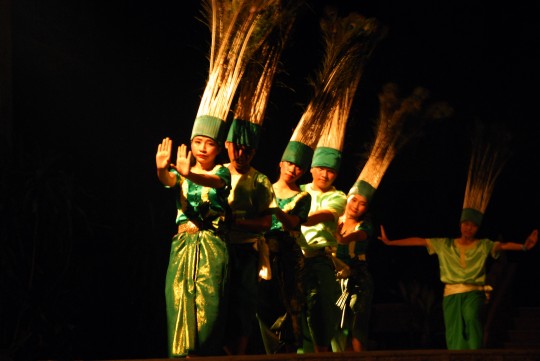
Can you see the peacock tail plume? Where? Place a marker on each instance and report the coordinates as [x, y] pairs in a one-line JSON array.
[[254, 89], [490, 153], [238, 28], [348, 44]]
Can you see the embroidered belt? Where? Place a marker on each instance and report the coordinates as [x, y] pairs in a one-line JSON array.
[[188, 227]]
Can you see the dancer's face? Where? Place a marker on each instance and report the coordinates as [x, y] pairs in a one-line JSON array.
[[356, 206], [204, 149], [323, 178], [240, 156], [468, 229], [289, 172]]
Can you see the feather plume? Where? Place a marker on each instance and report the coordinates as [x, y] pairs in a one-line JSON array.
[[238, 28], [349, 43], [490, 152], [255, 86], [392, 130]]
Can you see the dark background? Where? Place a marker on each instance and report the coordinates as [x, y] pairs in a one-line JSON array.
[[93, 87]]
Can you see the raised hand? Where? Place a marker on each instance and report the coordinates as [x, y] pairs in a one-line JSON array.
[[383, 237], [183, 160], [163, 154], [530, 242]]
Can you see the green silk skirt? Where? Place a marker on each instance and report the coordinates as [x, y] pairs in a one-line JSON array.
[[194, 294]]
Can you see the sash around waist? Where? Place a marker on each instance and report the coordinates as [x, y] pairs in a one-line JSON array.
[[452, 289]]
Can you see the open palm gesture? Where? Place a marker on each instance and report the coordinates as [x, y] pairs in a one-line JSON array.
[[163, 154], [183, 160]]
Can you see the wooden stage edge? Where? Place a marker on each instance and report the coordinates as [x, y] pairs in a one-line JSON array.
[[395, 355]]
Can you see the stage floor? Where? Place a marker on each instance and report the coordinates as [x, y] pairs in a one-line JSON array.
[[395, 355]]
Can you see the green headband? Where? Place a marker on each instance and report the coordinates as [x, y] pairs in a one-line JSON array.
[[209, 126], [298, 153], [363, 188], [326, 157], [243, 132], [473, 215]]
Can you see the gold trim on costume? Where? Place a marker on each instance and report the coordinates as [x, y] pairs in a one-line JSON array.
[[188, 227]]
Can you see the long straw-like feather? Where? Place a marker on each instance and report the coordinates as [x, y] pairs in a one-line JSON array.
[[391, 131], [238, 30], [349, 43], [490, 152], [255, 86]]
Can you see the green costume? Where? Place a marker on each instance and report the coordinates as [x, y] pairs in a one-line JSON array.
[[322, 234], [359, 285], [282, 297], [198, 268], [251, 196], [321, 315], [463, 271]]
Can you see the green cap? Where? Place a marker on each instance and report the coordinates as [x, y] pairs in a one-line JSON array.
[[209, 126], [243, 132], [298, 153], [326, 157], [363, 188], [473, 215]]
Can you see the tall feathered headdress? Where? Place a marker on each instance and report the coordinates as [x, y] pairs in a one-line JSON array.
[[255, 86], [392, 131], [490, 152], [238, 28], [349, 43]]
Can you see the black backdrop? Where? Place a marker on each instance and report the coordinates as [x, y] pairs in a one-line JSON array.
[[98, 84]]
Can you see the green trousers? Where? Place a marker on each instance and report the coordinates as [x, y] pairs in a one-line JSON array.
[[463, 320]]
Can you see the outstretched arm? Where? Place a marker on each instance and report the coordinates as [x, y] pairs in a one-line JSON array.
[[356, 236], [411, 241], [530, 242]]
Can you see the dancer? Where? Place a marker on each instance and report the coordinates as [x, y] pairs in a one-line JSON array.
[[349, 43], [462, 260], [399, 120], [252, 198], [282, 298], [197, 271], [198, 266], [280, 317]]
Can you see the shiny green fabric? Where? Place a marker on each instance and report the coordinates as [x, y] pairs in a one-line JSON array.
[[209, 126], [298, 153], [322, 234], [194, 291], [243, 132], [462, 319], [326, 157], [197, 274], [363, 188], [462, 264]]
